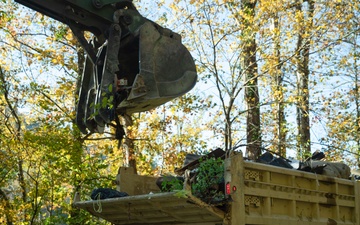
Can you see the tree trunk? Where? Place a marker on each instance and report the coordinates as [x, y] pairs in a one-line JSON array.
[[129, 145], [253, 133], [17, 134], [78, 145], [357, 101], [303, 72], [7, 212], [278, 93], [22, 184]]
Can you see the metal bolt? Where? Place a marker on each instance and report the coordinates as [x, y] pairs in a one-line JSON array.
[[97, 3], [117, 27], [127, 19]]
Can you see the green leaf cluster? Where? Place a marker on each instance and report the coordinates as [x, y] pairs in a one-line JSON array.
[[209, 180], [171, 184]]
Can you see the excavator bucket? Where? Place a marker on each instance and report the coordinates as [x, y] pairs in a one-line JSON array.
[[132, 63], [166, 70]]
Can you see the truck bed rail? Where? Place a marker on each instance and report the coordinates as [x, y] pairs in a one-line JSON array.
[[268, 194]]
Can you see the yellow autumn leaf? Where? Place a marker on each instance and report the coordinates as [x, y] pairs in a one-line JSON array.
[[69, 36]]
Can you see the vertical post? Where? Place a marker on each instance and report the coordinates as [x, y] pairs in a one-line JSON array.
[[357, 201], [236, 182]]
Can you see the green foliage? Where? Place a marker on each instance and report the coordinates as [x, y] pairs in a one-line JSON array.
[[209, 177], [171, 184], [60, 32], [182, 193], [45, 159]]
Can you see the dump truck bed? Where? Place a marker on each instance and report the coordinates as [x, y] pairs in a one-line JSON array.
[[268, 194], [260, 195], [160, 208]]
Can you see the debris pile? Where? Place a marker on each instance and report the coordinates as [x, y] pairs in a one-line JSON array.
[[203, 175], [104, 193], [314, 164]]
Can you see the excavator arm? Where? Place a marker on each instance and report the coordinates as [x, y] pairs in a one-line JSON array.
[[132, 63]]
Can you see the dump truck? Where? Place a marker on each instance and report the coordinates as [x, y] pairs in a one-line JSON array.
[[255, 193]]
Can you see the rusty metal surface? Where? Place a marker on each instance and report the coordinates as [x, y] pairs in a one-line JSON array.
[[160, 208]]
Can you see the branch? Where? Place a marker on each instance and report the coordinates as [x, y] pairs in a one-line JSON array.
[[12, 109], [55, 103]]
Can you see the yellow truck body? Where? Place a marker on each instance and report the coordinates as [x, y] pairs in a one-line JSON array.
[[259, 194]]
